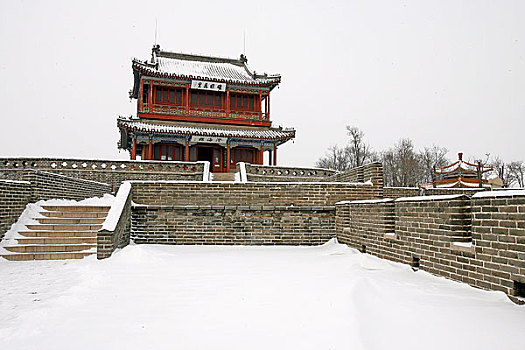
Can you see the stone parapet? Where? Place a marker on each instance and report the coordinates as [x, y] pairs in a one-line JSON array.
[[372, 172], [268, 173], [112, 172], [247, 194], [476, 240]]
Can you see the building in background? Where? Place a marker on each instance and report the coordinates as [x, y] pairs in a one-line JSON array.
[[200, 108], [462, 174]]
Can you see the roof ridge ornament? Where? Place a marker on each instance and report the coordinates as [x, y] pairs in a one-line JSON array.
[[155, 53], [243, 58]]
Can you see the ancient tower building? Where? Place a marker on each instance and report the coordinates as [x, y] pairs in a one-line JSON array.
[[200, 108]]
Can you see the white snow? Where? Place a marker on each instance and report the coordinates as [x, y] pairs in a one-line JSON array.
[[242, 168], [429, 198], [500, 193], [463, 244], [206, 174], [15, 181], [210, 297], [368, 201], [117, 207]]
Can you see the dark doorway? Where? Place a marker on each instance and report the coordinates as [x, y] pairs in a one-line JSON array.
[[205, 154]]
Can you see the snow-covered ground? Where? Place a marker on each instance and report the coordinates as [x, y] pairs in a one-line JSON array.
[[195, 297]]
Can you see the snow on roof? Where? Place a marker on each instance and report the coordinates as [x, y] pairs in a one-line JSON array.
[[501, 193], [462, 184], [203, 67], [205, 130]]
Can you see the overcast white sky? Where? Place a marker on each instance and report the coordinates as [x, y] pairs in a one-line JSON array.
[[450, 73]]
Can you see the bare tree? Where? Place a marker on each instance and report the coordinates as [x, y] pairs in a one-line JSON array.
[[516, 171], [354, 154], [335, 159], [401, 165], [358, 150], [500, 170], [431, 157]]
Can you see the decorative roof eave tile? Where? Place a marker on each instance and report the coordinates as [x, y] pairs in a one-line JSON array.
[[261, 134], [271, 81]]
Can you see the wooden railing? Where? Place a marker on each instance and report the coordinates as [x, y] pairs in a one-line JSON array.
[[203, 112]]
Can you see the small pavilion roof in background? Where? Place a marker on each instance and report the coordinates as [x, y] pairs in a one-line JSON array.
[[186, 66], [461, 167], [460, 174]]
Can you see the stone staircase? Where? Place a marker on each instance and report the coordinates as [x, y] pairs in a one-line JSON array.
[[64, 232], [223, 177]]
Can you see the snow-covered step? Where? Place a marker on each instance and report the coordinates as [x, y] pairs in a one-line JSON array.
[[64, 227], [55, 240], [74, 214], [58, 232], [223, 177], [76, 208], [64, 221], [50, 248], [46, 256]]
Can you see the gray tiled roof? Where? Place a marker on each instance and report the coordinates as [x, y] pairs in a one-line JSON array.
[[203, 67], [184, 128]]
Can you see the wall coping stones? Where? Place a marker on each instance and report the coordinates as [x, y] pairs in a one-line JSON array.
[[500, 193], [432, 198], [277, 183], [367, 201], [15, 181], [239, 207]]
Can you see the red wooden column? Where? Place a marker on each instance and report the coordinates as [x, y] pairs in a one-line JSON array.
[[274, 155], [187, 99], [260, 105], [227, 102], [261, 155], [187, 152], [228, 158], [268, 108], [134, 149], [141, 89], [150, 98], [150, 149]]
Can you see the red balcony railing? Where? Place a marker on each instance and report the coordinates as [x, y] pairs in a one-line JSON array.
[[202, 112]]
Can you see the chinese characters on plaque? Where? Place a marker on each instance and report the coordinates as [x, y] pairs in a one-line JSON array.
[[207, 85], [209, 139]]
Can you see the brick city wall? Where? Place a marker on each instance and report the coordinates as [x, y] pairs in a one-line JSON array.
[[47, 185], [14, 196], [239, 213], [434, 234], [233, 225], [112, 172]]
